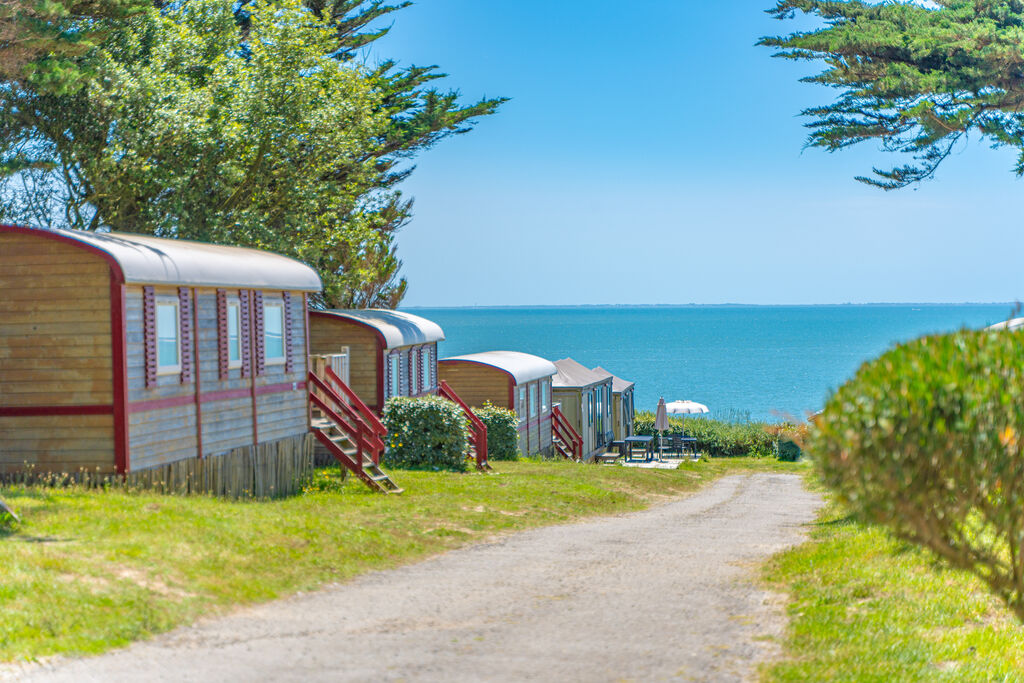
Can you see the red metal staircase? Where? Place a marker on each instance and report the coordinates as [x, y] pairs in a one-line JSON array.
[[347, 428], [567, 441], [477, 428]]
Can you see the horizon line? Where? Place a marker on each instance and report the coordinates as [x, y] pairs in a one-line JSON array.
[[725, 305]]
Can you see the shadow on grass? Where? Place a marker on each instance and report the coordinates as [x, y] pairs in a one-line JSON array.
[[846, 520]]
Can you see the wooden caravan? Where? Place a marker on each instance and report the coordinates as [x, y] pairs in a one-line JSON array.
[[584, 397], [622, 406], [124, 353], [390, 353], [508, 379]]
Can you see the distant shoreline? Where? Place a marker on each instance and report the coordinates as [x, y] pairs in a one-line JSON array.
[[844, 305]]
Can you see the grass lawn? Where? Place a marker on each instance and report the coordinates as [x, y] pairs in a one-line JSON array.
[[866, 607], [86, 571]]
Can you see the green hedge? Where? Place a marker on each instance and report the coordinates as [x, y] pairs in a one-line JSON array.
[[716, 438], [929, 440], [429, 433], [502, 432]]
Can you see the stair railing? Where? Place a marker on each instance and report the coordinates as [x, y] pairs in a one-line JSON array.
[[478, 430], [357, 403], [347, 419], [565, 431]]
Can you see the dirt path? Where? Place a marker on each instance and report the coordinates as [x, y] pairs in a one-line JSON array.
[[661, 594]]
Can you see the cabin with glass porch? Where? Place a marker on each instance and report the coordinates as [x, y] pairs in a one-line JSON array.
[[520, 382], [128, 354], [585, 397], [623, 411], [389, 353]]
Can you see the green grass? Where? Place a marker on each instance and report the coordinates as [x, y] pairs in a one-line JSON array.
[[86, 571], [866, 607]]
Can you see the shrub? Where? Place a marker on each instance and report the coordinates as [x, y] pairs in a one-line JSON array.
[[928, 440], [789, 440], [502, 431], [428, 433], [716, 437]]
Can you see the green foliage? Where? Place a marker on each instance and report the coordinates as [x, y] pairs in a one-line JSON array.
[[787, 451], [929, 440], [248, 124], [916, 77], [502, 431], [715, 438], [325, 479], [428, 433]]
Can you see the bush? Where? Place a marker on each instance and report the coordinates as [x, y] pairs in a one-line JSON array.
[[928, 440], [715, 437], [502, 431], [429, 433]]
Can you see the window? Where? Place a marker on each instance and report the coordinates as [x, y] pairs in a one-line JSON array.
[[425, 369], [273, 331], [234, 334], [168, 336], [545, 397], [521, 408], [590, 407], [414, 373], [533, 400], [395, 370]]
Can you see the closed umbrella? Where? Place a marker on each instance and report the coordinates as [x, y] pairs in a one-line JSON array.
[[661, 423]]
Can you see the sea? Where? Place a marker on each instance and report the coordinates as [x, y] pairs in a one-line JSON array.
[[744, 362]]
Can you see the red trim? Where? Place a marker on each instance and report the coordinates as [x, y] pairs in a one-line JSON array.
[[512, 394], [226, 395], [198, 373], [210, 397], [254, 360], [149, 334], [119, 363], [43, 411]]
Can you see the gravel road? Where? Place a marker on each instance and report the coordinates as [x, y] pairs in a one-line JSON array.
[[668, 593]]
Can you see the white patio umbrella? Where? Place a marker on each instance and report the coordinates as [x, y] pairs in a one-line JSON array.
[[661, 423], [686, 408]]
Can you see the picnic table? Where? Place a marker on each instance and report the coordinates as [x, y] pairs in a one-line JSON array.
[[631, 442]]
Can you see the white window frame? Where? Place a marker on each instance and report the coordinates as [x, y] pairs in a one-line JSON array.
[[425, 370], [395, 370], [521, 407], [533, 401], [545, 398], [414, 372], [283, 358], [168, 300], [234, 307]]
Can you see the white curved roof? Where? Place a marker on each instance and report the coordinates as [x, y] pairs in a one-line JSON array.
[[523, 367], [155, 260], [397, 327], [1012, 324]]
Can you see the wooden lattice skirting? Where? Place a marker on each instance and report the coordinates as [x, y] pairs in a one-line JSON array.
[[268, 470]]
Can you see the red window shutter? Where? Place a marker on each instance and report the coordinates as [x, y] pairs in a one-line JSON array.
[[244, 332], [222, 334], [257, 318], [149, 334], [289, 363], [185, 315]]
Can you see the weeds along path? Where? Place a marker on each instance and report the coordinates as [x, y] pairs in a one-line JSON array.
[[665, 593]]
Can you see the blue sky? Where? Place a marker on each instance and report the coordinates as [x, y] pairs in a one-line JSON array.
[[652, 154]]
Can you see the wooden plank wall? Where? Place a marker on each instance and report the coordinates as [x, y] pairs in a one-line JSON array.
[[327, 335], [574, 406], [55, 350], [162, 435], [475, 383]]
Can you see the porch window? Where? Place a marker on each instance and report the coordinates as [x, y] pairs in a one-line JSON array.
[[395, 372], [168, 336], [273, 331], [425, 369], [234, 333]]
